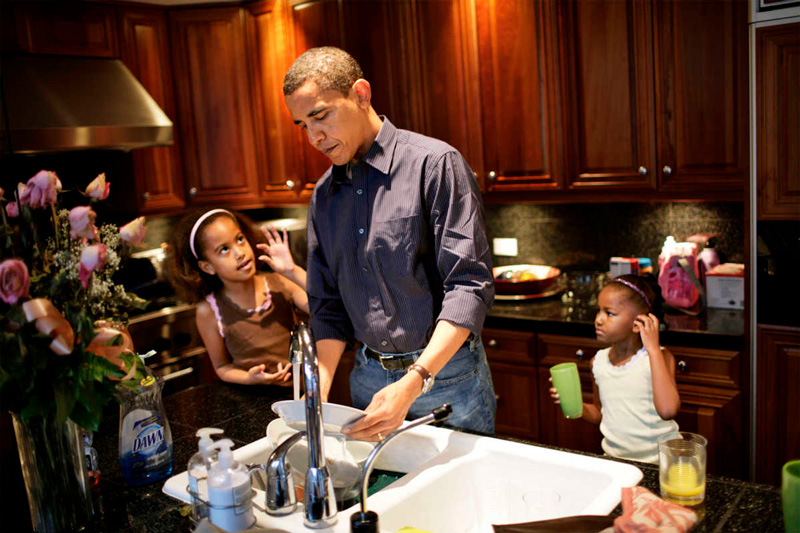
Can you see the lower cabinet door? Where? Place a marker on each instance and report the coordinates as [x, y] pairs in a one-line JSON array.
[[716, 414], [559, 431], [516, 392]]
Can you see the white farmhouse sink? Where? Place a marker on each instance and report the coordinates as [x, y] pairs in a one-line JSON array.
[[457, 482]]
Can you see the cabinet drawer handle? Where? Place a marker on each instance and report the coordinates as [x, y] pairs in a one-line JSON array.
[[643, 170], [492, 343], [193, 191], [579, 353], [290, 184], [667, 170], [146, 196], [682, 366], [492, 175]]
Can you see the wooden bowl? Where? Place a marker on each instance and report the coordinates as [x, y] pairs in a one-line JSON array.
[[544, 277]]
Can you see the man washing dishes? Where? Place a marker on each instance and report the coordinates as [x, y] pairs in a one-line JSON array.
[[398, 257]]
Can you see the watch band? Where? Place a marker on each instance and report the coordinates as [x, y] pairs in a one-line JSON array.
[[427, 379]]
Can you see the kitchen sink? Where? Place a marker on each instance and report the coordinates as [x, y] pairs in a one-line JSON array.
[[459, 482]]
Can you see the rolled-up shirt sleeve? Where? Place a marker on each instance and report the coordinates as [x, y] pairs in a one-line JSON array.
[[463, 257], [329, 319]]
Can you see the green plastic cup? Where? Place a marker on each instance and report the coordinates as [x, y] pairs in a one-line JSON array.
[[790, 492], [568, 382]]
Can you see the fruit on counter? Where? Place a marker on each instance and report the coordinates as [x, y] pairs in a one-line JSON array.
[[518, 275]]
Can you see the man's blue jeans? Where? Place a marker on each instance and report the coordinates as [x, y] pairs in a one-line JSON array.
[[465, 382]]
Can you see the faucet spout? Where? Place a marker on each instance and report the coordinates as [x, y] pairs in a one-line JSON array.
[[319, 500]]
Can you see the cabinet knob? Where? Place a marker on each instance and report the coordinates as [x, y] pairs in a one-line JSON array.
[[492, 343], [643, 170], [667, 169], [579, 353], [193, 191], [682, 366], [492, 175], [146, 196], [290, 184]]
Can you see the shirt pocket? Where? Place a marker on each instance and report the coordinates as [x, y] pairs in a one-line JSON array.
[[397, 244]]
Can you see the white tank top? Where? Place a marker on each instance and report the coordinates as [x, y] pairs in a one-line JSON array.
[[630, 425]]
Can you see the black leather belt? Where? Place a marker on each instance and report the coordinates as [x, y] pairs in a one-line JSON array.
[[398, 361], [390, 362]]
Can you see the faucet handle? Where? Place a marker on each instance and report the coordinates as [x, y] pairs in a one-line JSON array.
[[441, 414], [281, 498]]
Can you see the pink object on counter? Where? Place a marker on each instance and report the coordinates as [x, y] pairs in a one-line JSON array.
[[644, 512], [676, 285]]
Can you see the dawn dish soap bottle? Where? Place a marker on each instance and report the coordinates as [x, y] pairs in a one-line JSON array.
[[145, 441], [230, 499], [198, 468]]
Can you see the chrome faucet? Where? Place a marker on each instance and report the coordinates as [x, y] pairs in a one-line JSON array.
[[318, 496], [365, 521]]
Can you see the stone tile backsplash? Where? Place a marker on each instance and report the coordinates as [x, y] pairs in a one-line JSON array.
[[585, 236], [577, 236]]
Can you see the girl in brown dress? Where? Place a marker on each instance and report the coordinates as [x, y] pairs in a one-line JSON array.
[[244, 316]]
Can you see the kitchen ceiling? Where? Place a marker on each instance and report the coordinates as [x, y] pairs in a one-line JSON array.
[[181, 2]]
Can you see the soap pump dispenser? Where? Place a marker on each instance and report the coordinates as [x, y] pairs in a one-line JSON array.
[[198, 468], [229, 491]]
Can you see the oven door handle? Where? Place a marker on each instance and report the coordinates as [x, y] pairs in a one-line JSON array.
[[179, 373]]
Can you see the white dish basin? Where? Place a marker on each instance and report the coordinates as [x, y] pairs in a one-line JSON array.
[[457, 482]]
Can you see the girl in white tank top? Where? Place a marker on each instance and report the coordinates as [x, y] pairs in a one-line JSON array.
[[635, 394]]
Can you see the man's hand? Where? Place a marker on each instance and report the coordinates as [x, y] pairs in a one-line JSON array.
[[387, 410]]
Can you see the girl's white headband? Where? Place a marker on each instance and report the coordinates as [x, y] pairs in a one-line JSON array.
[[196, 226]]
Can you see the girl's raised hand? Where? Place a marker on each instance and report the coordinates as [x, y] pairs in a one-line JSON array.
[[259, 377], [277, 253], [648, 329]]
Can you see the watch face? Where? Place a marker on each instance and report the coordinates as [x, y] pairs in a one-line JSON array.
[[427, 384]]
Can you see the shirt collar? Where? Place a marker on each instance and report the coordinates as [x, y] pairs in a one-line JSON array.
[[379, 156]]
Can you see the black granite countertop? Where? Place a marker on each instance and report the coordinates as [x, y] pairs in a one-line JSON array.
[[244, 412], [561, 315]]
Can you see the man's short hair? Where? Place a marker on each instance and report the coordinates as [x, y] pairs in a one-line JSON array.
[[329, 67]]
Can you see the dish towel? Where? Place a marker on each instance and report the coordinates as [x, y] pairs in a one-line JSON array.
[[644, 512]]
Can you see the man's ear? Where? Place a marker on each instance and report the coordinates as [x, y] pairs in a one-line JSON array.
[[363, 92], [206, 267]]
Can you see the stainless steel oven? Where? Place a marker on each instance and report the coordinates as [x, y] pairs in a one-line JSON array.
[[181, 357]]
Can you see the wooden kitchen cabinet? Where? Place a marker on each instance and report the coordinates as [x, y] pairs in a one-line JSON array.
[[519, 97], [778, 122], [777, 401], [656, 97], [63, 28], [709, 382], [511, 356], [144, 47], [214, 83]]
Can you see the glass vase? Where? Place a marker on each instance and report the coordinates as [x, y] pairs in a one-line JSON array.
[[54, 469]]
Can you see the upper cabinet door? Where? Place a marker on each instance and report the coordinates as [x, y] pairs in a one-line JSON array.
[[144, 45], [702, 98], [608, 94], [442, 44], [778, 124], [516, 44], [64, 28], [215, 105]]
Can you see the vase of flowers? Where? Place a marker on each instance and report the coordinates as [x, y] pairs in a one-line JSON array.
[[64, 349]]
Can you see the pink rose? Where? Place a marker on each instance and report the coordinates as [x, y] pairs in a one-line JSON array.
[[133, 232], [12, 209], [81, 223], [41, 190], [92, 258], [98, 188], [14, 281]]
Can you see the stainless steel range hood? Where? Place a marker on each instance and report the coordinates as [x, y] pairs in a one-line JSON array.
[[57, 103]]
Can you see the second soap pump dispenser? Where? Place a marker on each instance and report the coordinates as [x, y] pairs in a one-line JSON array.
[[229, 491], [198, 468]]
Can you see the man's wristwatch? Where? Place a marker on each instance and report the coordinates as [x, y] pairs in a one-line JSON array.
[[427, 379]]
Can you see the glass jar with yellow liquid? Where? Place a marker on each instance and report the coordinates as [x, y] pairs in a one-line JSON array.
[[682, 467]]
